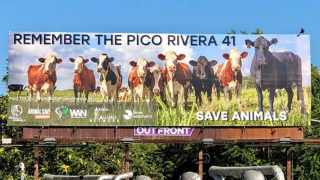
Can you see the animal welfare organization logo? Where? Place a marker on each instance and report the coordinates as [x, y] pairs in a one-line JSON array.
[[16, 110], [127, 115], [62, 112]]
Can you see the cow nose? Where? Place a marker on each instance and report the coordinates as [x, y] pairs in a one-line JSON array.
[[236, 68], [99, 69], [75, 70], [156, 90], [142, 74], [172, 68], [46, 71], [263, 62]]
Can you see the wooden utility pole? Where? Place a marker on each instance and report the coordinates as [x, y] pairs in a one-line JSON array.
[[36, 163], [288, 153], [201, 163], [127, 159]]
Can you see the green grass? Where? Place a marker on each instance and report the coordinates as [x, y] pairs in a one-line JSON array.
[[168, 116], [174, 116]]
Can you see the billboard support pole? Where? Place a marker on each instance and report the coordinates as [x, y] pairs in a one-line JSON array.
[[36, 163], [201, 162], [288, 153], [127, 160]]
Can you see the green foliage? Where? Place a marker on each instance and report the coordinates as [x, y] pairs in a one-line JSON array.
[[315, 89], [232, 31], [5, 77], [258, 31], [247, 82]]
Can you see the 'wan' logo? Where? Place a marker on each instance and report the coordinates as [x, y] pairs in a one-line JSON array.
[[78, 113]]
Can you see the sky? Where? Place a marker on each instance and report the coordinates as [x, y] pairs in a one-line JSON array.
[[22, 55], [143, 16]]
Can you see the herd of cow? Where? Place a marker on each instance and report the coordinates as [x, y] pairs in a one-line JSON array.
[[270, 70]]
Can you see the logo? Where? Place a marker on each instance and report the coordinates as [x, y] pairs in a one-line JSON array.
[[16, 110], [40, 113], [128, 114], [78, 113], [101, 109], [61, 111]]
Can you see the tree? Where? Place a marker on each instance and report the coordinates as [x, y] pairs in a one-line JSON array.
[[258, 31], [232, 32]]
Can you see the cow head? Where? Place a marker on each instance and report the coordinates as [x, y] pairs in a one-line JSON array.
[[103, 62], [235, 57], [171, 59], [261, 46], [78, 64], [201, 67], [50, 63], [157, 79], [142, 66]]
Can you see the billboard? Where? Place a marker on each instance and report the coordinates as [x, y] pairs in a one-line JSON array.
[[129, 79]]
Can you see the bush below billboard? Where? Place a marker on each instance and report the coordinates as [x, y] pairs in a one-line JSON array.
[[118, 79]]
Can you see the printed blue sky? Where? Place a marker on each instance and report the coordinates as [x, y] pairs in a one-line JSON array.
[[22, 56], [143, 16]]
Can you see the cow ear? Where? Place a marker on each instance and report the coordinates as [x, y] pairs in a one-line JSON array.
[[181, 56], [59, 61], [249, 43], [162, 57], [226, 56], [110, 59], [193, 63], [273, 41], [41, 60], [213, 62], [244, 54], [72, 60], [86, 60], [151, 63], [94, 59], [133, 64]]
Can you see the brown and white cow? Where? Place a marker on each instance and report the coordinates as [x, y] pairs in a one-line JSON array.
[[140, 79], [230, 75], [110, 77], [124, 94], [178, 76], [43, 77], [158, 82], [83, 80]]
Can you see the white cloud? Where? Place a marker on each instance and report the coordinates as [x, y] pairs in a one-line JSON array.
[[22, 56], [126, 53], [276, 49]]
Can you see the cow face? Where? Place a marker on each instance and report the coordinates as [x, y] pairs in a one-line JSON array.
[[235, 57], [171, 59], [78, 64], [261, 46], [103, 62], [50, 63], [142, 66], [201, 67], [157, 79]]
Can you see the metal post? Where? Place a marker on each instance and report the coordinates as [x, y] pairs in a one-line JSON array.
[[36, 163], [22, 169], [127, 160], [201, 163], [288, 153]]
